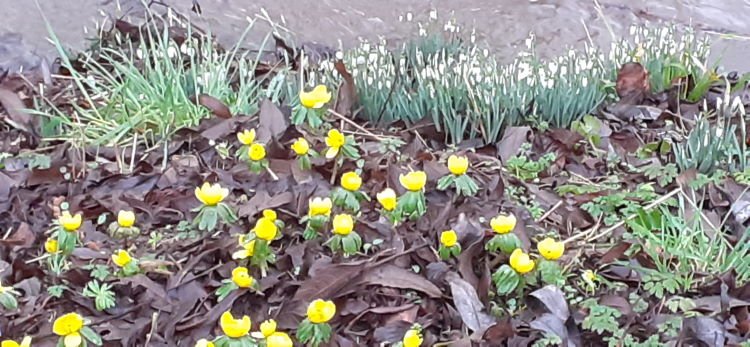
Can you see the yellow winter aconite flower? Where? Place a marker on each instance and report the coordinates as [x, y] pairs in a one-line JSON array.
[[256, 152], [320, 206], [387, 198], [211, 195], [335, 140], [270, 215], [413, 181], [343, 224], [241, 277], [246, 137], [247, 251], [234, 328], [26, 342], [265, 229], [412, 338], [267, 328], [321, 311], [521, 262], [351, 181], [126, 219], [121, 258], [458, 165], [204, 343], [551, 249], [279, 339], [50, 246], [301, 146], [316, 98], [589, 276], [69, 222], [448, 238], [503, 224], [67, 324]]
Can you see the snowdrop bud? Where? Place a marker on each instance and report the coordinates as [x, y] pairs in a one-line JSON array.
[[433, 14]]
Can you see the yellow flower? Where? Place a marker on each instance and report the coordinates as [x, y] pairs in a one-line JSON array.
[[73, 340], [279, 339], [551, 249], [50, 246], [234, 328], [343, 224], [387, 199], [503, 224], [458, 165], [413, 181], [589, 276], [320, 206], [268, 327], [70, 223], [265, 229], [448, 238], [247, 251], [351, 181], [256, 152], [335, 140], [300, 146], [67, 324], [211, 195], [26, 342], [246, 137], [126, 219], [204, 343], [316, 98], [412, 338], [521, 262], [241, 277], [121, 258], [270, 215], [321, 311]]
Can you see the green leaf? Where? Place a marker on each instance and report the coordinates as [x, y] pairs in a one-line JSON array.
[[506, 280], [445, 182], [91, 336], [8, 301]]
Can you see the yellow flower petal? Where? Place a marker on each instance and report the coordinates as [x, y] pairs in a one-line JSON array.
[[26, 342], [126, 219], [121, 258], [351, 181], [234, 328], [67, 324], [458, 165], [279, 339], [241, 277], [301, 146], [320, 206], [412, 338], [503, 224], [211, 195], [413, 181], [343, 224], [246, 137], [73, 340], [69, 222], [256, 152], [51, 246], [521, 262], [316, 98], [9, 343], [268, 327], [335, 140], [265, 229], [551, 249], [448, 238], [387, 198], [321, 311]]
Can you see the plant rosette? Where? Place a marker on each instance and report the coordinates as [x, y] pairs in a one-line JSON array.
[[311, 108], [513, 276], [303, 151], [344, 239], [124, 227], [317, 217], [67, 232], [127, 264], [340, 146], [8, 297], [212, 208], [266, 230], [449, 246], [74, 332], [240, 280], [464, 184], [504, 240], [348, 195], [314, 330], [236, 332], [256, 155], [412, 204]]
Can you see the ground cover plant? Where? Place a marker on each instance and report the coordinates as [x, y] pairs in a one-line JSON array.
[[307, 207]]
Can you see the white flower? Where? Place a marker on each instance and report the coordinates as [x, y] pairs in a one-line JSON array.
[[433, 14]]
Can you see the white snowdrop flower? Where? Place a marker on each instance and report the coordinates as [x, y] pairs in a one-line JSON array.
[[91, 80], [388, 84], [369, 80], [473, 37], [409, 16], [339, 55], [422, 30], [211, 142], [400, 18], [171, 51], [372, 58], [141, 96], [563, 70], [449, 27], [433, 14], [486, 52], [361, 60], [441, 69], [139, 53], [366, 46], [584, 81], [380, 84]]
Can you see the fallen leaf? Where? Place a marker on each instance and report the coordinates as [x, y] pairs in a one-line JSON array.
[[468, 305], [553, 300], [393, 276], [272, 122], [347, 96], [216, 106]]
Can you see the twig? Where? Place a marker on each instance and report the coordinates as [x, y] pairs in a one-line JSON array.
[[354, 124], [154, 319], [546, 214], [609, 230]]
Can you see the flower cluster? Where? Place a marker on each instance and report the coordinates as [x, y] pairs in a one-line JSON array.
[[512, 276]]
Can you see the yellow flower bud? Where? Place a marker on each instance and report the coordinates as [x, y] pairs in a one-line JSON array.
[[270, 215], [234, 328], [321, 311], [67, 324], [503, 224], [70, 223], [126, 219], [320, 206], [279, 339], [387, 198], [211, 195], [256, 152], [413, 181], [448, 238], [241, 277], [246, 137], [351, 181], [121, 258], [521, 262], [316, 98], [26, 342], [412, 338], [268, 327], [551, 249], [50, 246], [589, 276], [247, 251], [458, 165], [301, 146], [343, 224], [204, 343], [335, 140], [265, 229]]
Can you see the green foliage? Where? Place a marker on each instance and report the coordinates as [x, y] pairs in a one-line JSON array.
[[104, 297], [505, 243], [98, 271], [464, 184], [506, 280], [313, 334], [208, 216], [56, 291], [601, 319], [619, 205], [348, 244], [705, 149], [525, 168], [8, 298], [663, 174]]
